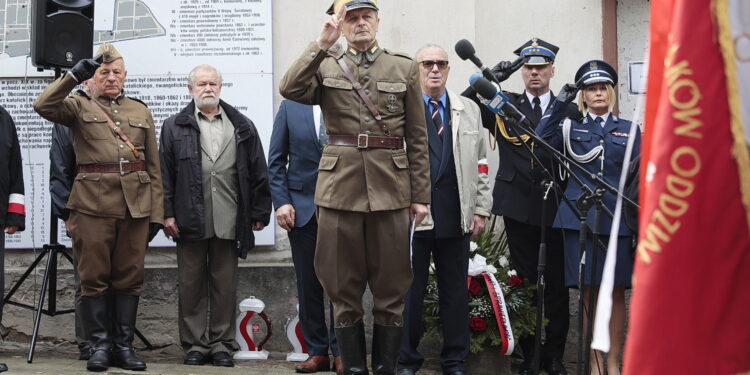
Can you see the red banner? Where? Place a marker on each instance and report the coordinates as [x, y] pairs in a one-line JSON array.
[[690, 306]]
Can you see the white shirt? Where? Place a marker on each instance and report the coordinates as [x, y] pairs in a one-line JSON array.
[[544, 100], [604, 117], [316, 118]]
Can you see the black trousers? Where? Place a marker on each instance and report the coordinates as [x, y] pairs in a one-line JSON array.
[[523, 240], [451, 257], [310, 293]]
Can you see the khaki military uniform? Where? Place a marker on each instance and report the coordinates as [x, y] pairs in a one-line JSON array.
[[363, 195], [110, 212]]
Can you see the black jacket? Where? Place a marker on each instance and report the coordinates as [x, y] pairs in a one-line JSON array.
[[518, 187], [11, 174], [62, 169], [179, 148]]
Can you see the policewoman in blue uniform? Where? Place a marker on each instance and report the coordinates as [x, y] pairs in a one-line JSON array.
[[597, 142]]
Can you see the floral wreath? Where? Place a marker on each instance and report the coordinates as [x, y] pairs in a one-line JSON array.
[[500, 302]]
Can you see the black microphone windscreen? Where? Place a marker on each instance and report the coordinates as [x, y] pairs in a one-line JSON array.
[[464, 49], [484, 88]]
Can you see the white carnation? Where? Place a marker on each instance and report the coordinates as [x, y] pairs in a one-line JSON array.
[[503, 261], [473, 246]]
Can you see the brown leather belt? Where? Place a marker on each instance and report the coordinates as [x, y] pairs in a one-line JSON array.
[[122, 167], [366, 141]]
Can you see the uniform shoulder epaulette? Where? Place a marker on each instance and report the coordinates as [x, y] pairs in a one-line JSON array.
[[138, 100], [397, 53], [83, 93]]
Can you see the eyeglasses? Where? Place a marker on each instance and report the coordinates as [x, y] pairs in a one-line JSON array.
[[428, 64]]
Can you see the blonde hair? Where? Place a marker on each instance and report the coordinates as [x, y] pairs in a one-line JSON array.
[[610, 94]]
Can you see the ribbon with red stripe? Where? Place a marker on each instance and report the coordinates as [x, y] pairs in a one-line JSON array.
[[499, 307], [482, 166], [16, 204]]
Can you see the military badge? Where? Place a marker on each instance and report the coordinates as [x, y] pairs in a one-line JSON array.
[[392, 101]]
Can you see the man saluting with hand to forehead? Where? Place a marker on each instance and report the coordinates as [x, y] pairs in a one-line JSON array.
[[373, 180]]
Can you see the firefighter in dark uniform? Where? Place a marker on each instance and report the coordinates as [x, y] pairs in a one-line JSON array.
[[116, 193], [373, 179], [518, 194]]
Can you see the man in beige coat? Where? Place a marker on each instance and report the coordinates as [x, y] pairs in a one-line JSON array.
[[373, 178], [461, 203], [116, 193]]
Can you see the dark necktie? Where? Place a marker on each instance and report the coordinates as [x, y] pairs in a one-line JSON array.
[[537, 110], [322, 134], [599, 121], [436, 116]]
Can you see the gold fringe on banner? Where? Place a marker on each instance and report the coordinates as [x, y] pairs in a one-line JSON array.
[[740, 150]]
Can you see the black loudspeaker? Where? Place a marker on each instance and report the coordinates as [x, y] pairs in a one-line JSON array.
[[62, 32]]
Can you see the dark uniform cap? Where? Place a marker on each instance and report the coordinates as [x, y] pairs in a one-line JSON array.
[[109, 53], [351, 5], [596, 71], [537, 52]]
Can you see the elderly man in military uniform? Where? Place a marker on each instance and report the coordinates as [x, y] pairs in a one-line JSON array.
[[373, 179], [117, 192]]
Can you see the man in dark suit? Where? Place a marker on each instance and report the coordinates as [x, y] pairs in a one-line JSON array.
[[518, 196], [299, 134], [460, 205]]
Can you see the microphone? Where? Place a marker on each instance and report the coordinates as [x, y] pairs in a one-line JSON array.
[[497, 99], [465, 50]]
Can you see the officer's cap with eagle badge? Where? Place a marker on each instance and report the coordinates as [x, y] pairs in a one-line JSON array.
[[596, 71], [537, 52]]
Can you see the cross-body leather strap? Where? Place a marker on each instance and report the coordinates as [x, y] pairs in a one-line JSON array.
[[116, 129], [366, 99]]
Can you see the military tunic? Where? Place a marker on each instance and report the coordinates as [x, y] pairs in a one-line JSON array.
[[363, 195], [110, 212]]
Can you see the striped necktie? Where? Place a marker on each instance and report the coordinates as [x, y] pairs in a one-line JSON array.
[[436, 119]]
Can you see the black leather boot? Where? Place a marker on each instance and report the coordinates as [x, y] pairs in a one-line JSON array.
[[96, 320], [353, 349], [3, 367], [386, 342], [126, 309]]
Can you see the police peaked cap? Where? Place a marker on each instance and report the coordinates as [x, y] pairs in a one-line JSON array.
[[596, 71], [351, 5], [537, 52]]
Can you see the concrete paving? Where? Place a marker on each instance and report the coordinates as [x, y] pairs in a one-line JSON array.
[[61, 358]]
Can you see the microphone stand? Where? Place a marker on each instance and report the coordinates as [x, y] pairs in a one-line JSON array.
[[541, 264], [548, 183]]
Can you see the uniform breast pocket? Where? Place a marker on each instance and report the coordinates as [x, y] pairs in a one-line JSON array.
[[620, 141], [337, 94], [137, 130], [580, 136], [94, 126], [391, 98]]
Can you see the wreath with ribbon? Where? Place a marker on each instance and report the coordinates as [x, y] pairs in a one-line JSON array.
[[500, 302]]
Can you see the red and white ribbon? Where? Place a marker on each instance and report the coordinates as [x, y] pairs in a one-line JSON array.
[[500, 309], [482, 166], [15, 204]]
